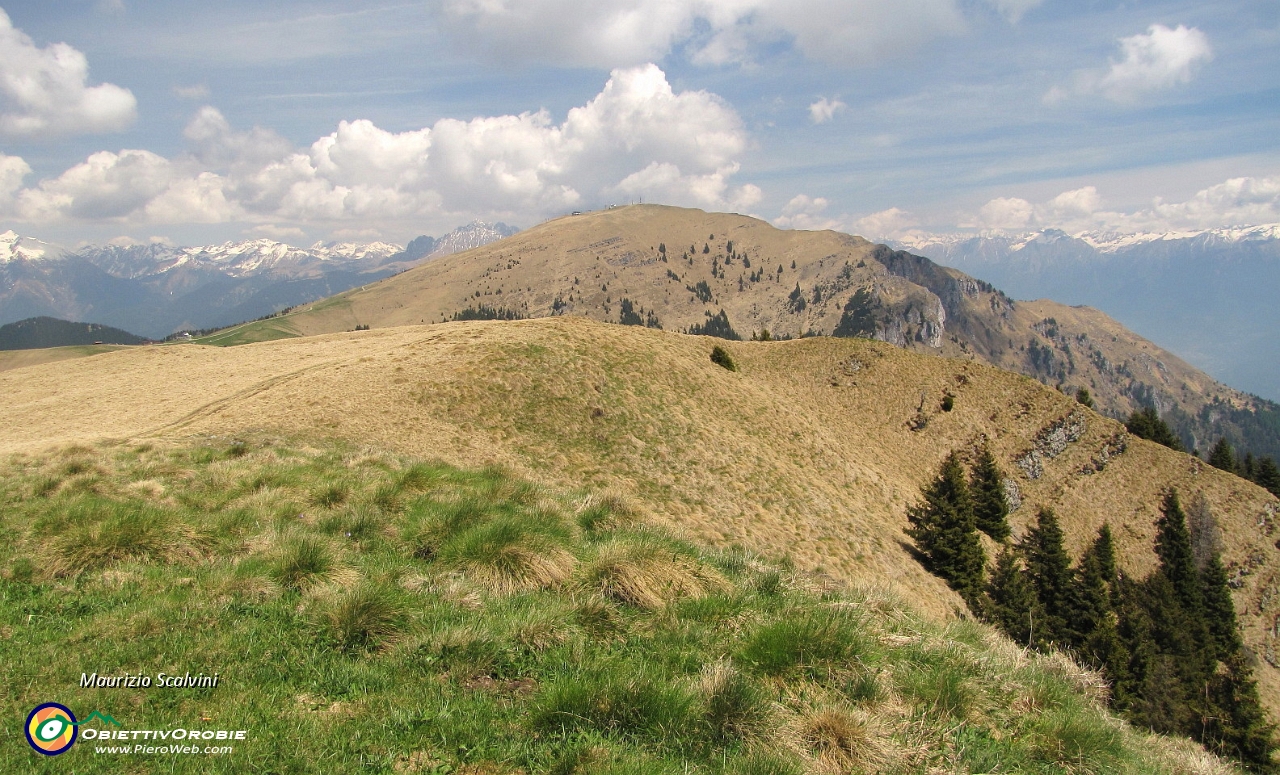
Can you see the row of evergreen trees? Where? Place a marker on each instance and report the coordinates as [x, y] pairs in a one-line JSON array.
[[1261, 471], [1147, 424], [1168, 644]]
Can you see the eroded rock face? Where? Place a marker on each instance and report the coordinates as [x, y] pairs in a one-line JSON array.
[[1051, 442]]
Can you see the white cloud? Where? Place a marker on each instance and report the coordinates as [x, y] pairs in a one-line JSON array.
[[1244, 201], [805, 212], [1160, 59], [1156, 60], [610, 33], [13, 170], [824, 110], [45, 91], [1235, 202], [1006, 214], [886, 224], [636, 138]]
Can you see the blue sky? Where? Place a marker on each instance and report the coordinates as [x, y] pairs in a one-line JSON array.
[[209, 121]]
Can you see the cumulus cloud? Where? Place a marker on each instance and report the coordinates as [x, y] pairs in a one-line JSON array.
[[1157, 60], [824, 110], [610, 33], [637, 138], [805, 212], [13, 170], [1149, 62], [1245, 201], [886, 224], [45, 91]]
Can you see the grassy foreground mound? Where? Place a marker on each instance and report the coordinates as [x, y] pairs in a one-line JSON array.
[[370, 613]]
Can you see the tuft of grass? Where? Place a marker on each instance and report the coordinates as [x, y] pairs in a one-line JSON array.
[[508, 555], [363, 617], [940, 690], [110, 533], [304, 561], [841, 741], [331, 495], [734, 707], [647, 574], [625, 701], [812, 641]]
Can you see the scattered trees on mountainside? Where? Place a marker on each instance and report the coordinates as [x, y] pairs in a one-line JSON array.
[[1169, 644], [1261, 471], [715, 325], [1146, 424]]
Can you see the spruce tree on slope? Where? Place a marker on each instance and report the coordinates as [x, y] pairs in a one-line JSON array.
[[1011, 603], [990, 509], [1222, 456], [1049, 570], [943, 530]]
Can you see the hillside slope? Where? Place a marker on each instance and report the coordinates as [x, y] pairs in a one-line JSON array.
[[682, 266], [40, 333], [814, 448]]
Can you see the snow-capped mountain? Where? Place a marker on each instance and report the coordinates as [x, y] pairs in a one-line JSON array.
[[14, 247], [156, 289], [473, 235], [1208, 295]]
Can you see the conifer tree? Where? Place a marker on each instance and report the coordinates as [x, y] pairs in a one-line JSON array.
[[1222, 456], [990, 509], [1095, 618], [1268, 476], [1049, 571], [1146, 424], [1219, 611], [1249, 467], [1240, 729], [1011, 603], [1177, 559], [943, 530]]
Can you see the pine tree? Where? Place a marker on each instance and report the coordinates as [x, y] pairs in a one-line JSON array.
[[986, 486], [943, 530], [1240, 729], [1249, 467], [1049, 571], [1268, 476], [1011, 602], [1219, 612], [1082, 396], [1146, 424], [1222, 456], [1095, 618], [1177, 559]]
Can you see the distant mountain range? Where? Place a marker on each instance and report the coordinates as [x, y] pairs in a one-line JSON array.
[[1209, 296], [155, 290]]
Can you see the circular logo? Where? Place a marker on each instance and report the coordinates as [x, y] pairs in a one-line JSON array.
[[51, 728]]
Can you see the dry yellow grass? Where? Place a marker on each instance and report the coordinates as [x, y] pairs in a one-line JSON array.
[[807, 450]]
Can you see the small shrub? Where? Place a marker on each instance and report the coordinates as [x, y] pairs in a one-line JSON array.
[[721, 357], [237, 449], [948, 402]]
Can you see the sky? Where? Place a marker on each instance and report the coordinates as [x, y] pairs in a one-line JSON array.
[[199, 122]]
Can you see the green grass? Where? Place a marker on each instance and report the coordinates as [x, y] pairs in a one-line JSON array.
[[373, 614]]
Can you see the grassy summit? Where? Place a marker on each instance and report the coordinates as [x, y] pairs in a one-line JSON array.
[[368, 612]]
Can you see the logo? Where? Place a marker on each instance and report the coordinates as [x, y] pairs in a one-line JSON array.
[[51, 728]]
